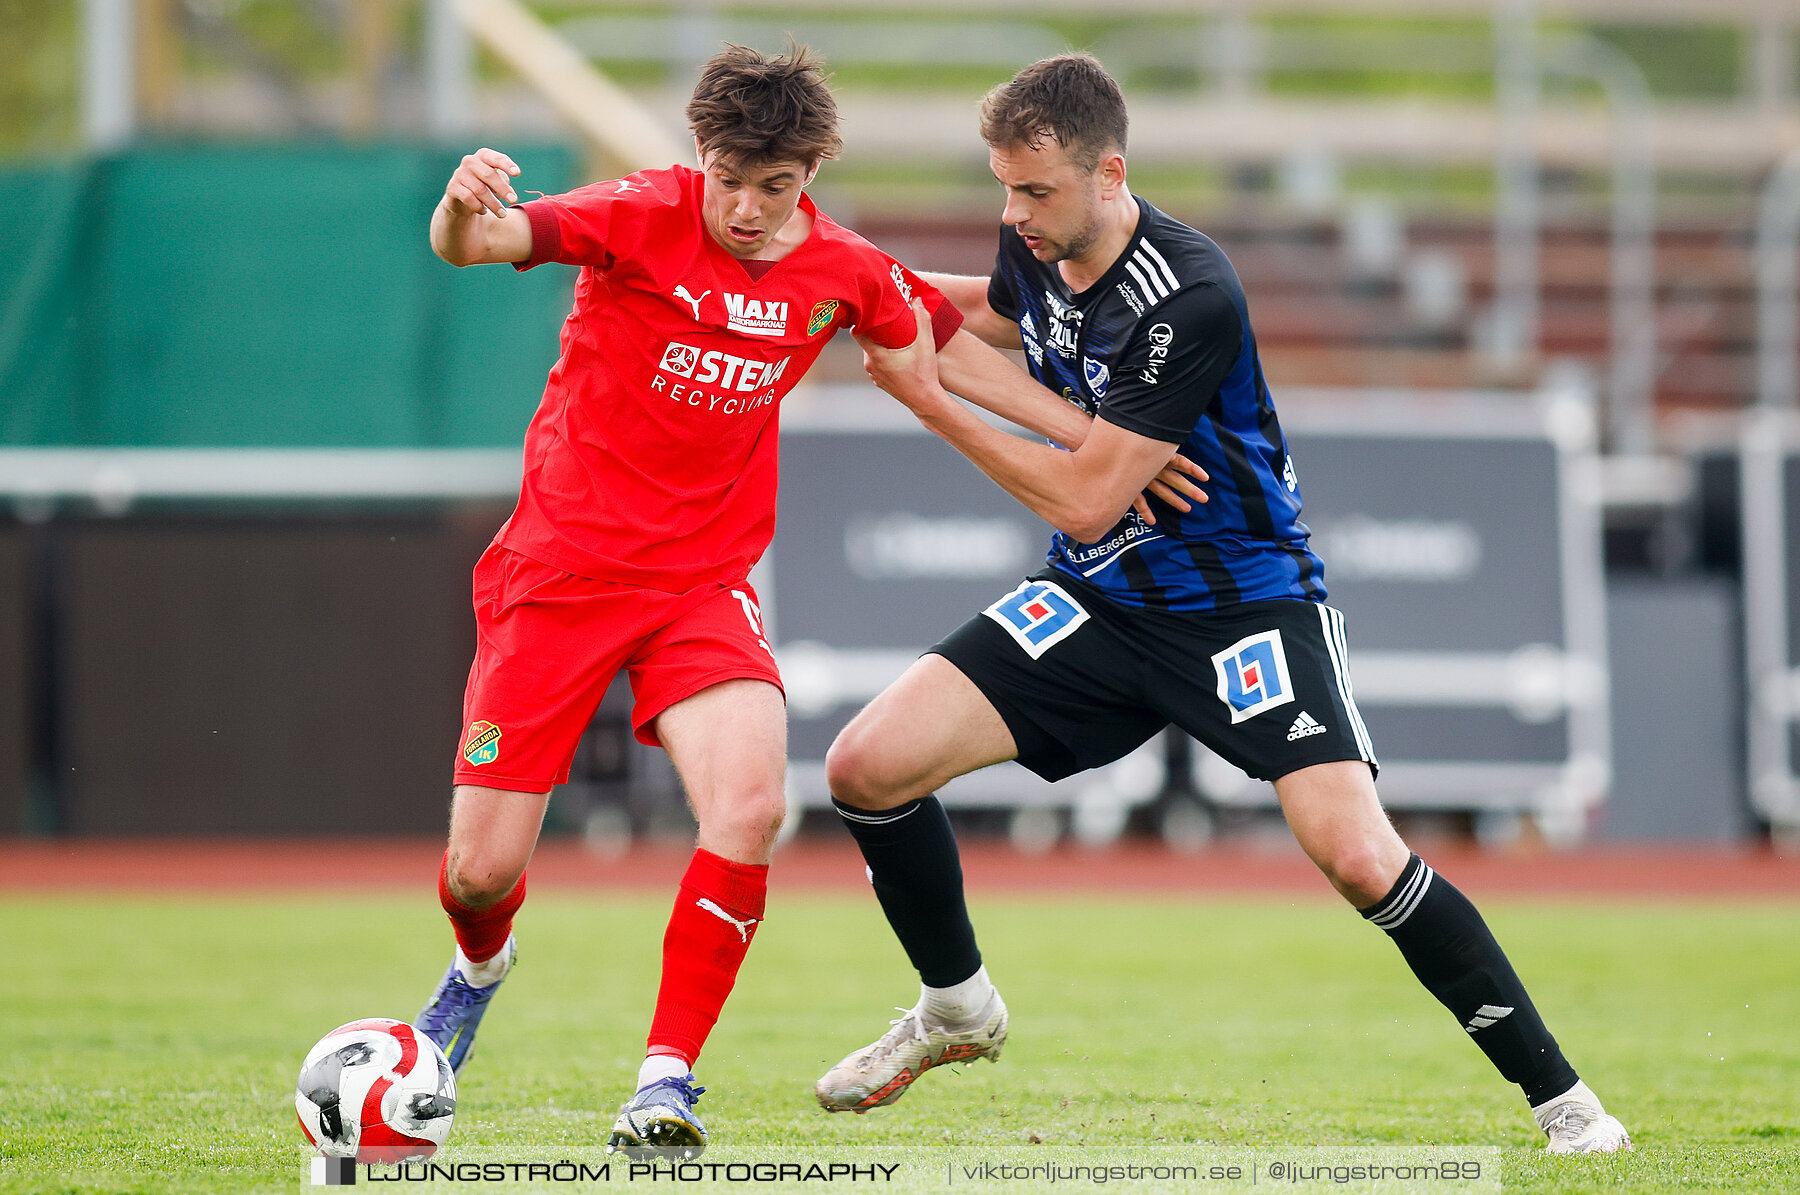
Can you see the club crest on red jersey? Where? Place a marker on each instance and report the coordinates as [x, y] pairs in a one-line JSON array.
[[821, 316], [483, 743]]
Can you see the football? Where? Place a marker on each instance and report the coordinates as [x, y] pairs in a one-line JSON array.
[[377, 1090]]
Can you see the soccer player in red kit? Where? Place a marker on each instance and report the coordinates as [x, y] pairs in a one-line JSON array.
[[648, 494]]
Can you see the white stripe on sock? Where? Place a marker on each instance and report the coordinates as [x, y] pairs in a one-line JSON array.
[[1381, 915], [872, 817], [1395, 919]]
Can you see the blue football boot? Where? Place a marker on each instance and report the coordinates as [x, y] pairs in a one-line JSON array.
[[660, 1117], [456, 1009]]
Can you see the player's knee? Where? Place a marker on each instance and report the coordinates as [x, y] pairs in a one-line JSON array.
[[478, 881], [852, 770], [748, 820], [1359, 870]]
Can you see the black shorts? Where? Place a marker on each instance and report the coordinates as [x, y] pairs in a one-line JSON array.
[[1082, 681]]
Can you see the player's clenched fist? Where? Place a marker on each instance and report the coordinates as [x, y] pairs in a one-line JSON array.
[[908, 373], [483, 182]]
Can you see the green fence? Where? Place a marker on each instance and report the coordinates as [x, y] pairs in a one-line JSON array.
[[263, 296]]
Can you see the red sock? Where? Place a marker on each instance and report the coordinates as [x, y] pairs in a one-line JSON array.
[[716, 914], [479, 932]]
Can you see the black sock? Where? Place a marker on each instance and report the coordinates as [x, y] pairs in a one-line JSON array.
[[1451, 950], [917, 873]]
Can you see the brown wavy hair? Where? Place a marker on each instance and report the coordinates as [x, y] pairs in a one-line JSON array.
[[1069, 99], [751, 109]]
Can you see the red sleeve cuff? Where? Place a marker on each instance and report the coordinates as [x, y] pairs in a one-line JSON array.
[[944, 322], [546, 235]]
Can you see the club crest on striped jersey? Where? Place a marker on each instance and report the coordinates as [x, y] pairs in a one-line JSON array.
[[1096, 375], [821, 316], [1038, 615], [1253, 676], [482, 744]]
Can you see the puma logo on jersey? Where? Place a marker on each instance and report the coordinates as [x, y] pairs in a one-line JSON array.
[[755, 317], [626, 187], [682, 293], [743, 927]]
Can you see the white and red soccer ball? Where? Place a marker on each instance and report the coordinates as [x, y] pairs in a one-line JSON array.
[[376, 1090]]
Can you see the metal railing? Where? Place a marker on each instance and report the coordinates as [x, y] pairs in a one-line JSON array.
[[1770, 437]]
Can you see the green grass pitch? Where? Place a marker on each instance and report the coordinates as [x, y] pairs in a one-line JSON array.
[[151, 1044]]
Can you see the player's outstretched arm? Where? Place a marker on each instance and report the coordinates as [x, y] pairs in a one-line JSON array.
[[1083, 493], [970, 368], [973, 370], [971, 298], [472, 224]]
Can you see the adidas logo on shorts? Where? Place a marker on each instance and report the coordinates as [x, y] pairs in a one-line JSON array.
[[1303, 726]]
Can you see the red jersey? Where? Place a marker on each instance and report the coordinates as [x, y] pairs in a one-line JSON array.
[[652, 458]]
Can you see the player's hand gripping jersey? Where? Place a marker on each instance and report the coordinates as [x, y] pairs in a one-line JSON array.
[[1161, 345], [652, 458]]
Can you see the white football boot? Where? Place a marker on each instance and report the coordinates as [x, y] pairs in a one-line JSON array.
[[1577, 1124], [879, 1073]]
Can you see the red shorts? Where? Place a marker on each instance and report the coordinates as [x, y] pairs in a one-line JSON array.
[[548, 643]]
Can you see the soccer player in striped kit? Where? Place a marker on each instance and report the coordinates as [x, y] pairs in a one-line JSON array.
[[1212, 618]]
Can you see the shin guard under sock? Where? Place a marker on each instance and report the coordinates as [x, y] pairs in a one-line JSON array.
[[717, 910], [917, 873], [1449, 947]]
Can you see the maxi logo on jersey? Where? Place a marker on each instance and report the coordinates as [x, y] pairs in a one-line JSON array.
[[754, 317], [1253, 676], [1038, 615]]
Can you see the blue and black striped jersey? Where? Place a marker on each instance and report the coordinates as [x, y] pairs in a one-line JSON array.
[[1161, 345]]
